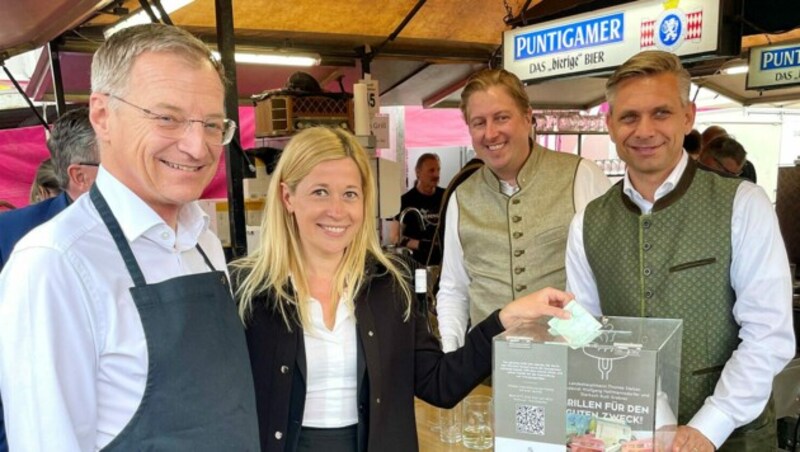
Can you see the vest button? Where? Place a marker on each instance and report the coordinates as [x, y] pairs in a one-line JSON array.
[[278, 435], [520, 287], [646, 224], [647, 246], [284, 369], [516, 235], [519, 270], [516, 218], [370, 333], [518, 253], [647, 272], [648, 293], [515, 201], [378, 400]]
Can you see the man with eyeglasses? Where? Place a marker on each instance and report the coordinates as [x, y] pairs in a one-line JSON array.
[[723, 155], [747, 170], [117, 326]]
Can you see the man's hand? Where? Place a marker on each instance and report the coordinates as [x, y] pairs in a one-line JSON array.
[[688, 439]]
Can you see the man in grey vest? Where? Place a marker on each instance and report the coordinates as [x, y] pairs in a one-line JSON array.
[[669, 241], [507, 224], [118, 330]]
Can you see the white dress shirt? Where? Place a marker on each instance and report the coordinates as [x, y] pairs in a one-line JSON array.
[[452, 300], [331, 361], [73, 356], [763, 308]]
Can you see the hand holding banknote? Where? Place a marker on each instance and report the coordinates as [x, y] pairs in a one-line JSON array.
[[579, 330], [545, 302]]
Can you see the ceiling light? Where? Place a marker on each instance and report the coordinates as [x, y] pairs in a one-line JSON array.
[[735, 70], [276, 58], [141, 17]]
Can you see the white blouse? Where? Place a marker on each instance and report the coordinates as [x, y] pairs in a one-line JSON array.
[[331, 381]]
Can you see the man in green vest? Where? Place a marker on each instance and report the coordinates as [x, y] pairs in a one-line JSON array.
[[507, 224], [669, 241]]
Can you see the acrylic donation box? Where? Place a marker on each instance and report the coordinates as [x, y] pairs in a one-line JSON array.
[[619, 393]]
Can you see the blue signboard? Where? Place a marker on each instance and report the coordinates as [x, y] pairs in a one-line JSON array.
[[780, 58], [577, 35]]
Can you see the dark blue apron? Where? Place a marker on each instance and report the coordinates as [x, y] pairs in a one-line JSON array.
[[199, 392]]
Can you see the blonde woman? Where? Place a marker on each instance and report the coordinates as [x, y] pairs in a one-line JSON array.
[[336, 352]]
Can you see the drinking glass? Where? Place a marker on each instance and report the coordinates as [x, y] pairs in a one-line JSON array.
[[450, 425], [477, 432]]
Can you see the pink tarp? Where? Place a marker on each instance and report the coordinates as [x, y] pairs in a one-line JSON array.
[[435, 127], [21, 150]]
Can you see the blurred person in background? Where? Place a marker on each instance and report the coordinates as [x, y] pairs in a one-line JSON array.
[[69, 173], [45, 182], [748, 169], [724, 156], [416, 232]]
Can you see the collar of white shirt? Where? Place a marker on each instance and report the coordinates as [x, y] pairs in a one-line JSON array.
[[663, 190], [137, 219]]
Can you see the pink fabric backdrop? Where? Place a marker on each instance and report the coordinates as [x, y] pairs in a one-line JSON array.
[[21, 152], [435, 127]]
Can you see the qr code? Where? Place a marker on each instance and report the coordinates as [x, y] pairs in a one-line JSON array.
[[530, 419]]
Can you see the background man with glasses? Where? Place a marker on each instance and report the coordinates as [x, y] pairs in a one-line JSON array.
[[117, 325], [723, 155], [74, 151]]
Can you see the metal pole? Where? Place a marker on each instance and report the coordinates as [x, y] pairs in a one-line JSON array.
[[233, 153], [58, 83]]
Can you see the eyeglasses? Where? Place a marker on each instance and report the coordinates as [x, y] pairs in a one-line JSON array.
[[88, 164], [217, 132], [721, 167]]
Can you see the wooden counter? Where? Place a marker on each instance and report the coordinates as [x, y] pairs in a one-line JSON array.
[[426, 414]]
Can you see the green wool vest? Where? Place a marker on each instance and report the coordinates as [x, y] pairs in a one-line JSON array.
[[672, 263], [516, 245]]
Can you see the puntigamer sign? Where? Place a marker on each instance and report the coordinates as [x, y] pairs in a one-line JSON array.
[[774, 66], [601, 40]]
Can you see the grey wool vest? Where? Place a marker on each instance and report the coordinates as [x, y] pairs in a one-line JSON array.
[[516, 245]]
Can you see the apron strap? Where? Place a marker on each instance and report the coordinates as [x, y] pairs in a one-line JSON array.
[[119, 238], [205, 258]]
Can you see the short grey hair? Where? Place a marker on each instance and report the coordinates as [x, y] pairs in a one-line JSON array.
[[113, 61], [649, 63], [72, 140]]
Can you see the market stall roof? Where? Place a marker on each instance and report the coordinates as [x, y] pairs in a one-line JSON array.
[[427, 63]]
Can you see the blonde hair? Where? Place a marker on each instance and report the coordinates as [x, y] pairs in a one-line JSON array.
[[487, 78], [279, 263], [649, 63]]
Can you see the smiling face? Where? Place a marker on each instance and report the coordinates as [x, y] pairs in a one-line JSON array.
[[164, 172], [647, 122], [499, 131], [328, 208]]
